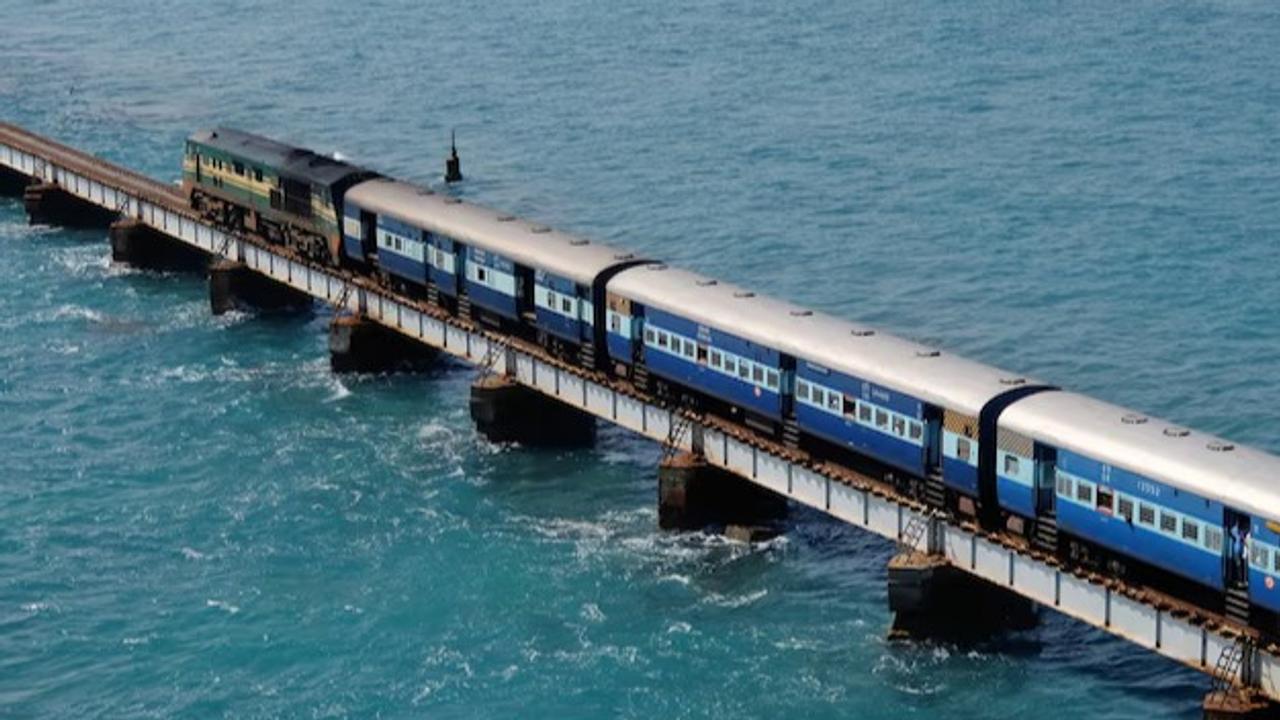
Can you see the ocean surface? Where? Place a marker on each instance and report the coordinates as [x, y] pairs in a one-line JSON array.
[[198, 520]]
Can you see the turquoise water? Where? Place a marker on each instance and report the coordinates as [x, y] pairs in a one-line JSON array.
[[198, 520]]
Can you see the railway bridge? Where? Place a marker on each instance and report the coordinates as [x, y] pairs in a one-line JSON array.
[[947, 575]]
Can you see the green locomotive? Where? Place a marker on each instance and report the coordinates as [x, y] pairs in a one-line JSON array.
[[290, 196]]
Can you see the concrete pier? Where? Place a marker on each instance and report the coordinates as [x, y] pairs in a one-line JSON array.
[[12, 182], [930, 598], [361, 346], [137, 244], [693, 495], [50, 204], [1239, 704], [232, 286], [505, 411]]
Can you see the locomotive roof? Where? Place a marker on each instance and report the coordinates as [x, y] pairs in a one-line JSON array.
[[936, 377], [528, 243], [287, 159], [1238, 476]]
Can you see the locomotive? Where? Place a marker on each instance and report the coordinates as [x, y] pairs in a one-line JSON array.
[[1115, 490]]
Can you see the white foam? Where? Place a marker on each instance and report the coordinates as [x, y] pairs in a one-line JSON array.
[[222, 605]]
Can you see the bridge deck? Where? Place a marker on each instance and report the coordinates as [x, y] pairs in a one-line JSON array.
[[1193, 636]]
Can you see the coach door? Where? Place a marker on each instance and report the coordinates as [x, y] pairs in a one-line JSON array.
[[1045, 476], [1235, 548]]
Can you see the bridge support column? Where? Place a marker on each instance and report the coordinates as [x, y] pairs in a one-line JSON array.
[[693, 495], [930, 598], [1239, 704], [232, 286], [505, 411], [49, 204], [12, 182], [139, 245], [362, 346]]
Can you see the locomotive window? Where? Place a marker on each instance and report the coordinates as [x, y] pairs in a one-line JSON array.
[[1168, 523], [1213, 538], [864, 412], [771, 379], [1191, 530], [882, 419], [565, 305], [257, 174], [481, 274], [1011, 468], [551, 298], [239, 168], [1124, 508], [1084, 492], [899, 426], [916, 431], [1146, 515]]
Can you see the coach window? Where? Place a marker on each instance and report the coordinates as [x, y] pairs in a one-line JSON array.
[[916, 431], [1064, 485], [802, 390], [850, 407], [757, 374], [689, 350], [744, 370], [835, 402], [1084, 492], [1146, 515], [882, 419], [648, 335], [1258, 555], [1124, 508], [899, 426], [819, 396], [1105, 499], [1213, 538], [1168, 523], [1191, 530], [730, 364], [1276, 557], [481, 275], [771, 380], [1011, 469], [864, 412], [715, 359]]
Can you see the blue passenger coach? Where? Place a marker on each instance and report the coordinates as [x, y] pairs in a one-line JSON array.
[[907, 405], [1157, 493], [512, 268], [678, 318]]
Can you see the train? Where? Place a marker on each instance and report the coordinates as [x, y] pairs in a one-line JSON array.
[[1098, 485]]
